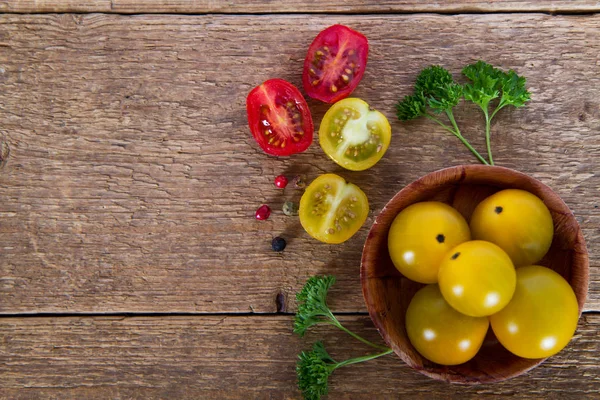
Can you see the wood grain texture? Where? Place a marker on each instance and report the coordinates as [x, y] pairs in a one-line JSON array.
[[241, 358], [132, 180], [290, 6]]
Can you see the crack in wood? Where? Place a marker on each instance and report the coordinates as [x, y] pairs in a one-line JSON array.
[[4, 153]]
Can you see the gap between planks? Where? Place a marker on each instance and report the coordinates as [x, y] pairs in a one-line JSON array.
[[191, 314], [351, 7]]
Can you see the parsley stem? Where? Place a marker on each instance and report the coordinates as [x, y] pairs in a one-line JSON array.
[[457, 134], [363, 358], [498, 108], [488, 121], [337, 323]]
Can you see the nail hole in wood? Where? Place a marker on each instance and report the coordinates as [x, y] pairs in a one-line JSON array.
[[280, 302]]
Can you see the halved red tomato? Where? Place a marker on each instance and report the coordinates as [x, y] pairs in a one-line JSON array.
[[335, 63], [279, 118]]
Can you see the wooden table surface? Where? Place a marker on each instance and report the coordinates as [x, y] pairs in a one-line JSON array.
[[130, 262]]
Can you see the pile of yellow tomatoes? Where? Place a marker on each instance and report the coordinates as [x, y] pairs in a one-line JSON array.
[[481, 274]]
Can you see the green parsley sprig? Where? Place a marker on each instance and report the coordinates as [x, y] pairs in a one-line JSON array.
[[315, 366], [489, 83], [436, 92]]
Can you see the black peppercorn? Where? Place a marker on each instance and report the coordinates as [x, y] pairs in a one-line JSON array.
[[278, 244]]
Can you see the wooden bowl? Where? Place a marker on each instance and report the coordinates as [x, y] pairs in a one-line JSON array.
[[388, 293]]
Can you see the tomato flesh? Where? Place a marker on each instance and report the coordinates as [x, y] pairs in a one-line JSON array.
[[440, 333], [542, 316], [421, 235], [518, 222], [279, 118], [335, 63], [332, 210], [353, 135], [477, 278]]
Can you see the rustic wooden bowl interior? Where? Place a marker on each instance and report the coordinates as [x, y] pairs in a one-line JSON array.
[[387, 293]]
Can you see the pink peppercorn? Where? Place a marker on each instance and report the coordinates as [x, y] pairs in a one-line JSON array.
[[263, 212], [281, 181]]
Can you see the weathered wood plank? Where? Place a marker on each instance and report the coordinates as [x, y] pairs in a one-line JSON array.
[[132, 179], [241, 358], [290, 6]]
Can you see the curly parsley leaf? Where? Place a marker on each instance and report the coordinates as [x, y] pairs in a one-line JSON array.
[[312, 304], [315, 366], [488, 83], [436, 91], [411, 107]]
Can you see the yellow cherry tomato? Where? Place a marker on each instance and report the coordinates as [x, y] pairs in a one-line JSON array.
[[332, 210], [477, 278], [421, 235], [542, 316], [354, 135], [517, 221], [439, 332]]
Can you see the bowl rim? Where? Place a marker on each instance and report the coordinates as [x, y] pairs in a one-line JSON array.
[[450, 174]]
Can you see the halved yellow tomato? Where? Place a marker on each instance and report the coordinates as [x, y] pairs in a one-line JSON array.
[[439, 332], [354, 135], [332, 210]]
